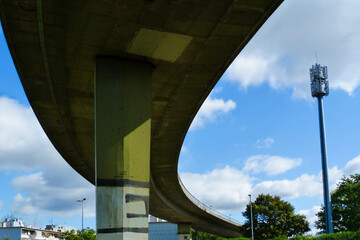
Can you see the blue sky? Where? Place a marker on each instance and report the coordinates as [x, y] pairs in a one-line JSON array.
[[256, 133]]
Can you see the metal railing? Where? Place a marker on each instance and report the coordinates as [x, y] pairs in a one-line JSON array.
[[205, 207]]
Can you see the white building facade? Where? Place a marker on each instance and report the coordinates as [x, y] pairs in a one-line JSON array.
[[14, 229]]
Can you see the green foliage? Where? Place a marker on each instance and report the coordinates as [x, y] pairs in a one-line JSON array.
[[340, 236], [333, 236], [303, 237], [345, 206], [273, 218], [197, 235], [280, 238], [89, 234]]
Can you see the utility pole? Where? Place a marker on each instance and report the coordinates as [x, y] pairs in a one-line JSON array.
[[251, 220], [82, 217], [320, 88]]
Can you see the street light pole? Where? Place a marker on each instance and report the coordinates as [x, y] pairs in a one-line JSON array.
[[82, 217], [320, 88], [251, 220]]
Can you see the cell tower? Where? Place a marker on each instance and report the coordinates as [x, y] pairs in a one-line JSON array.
[[320, 88]]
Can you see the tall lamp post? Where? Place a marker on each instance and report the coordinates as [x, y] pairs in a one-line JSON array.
[[320, 88], [251, 220], [82, 217]]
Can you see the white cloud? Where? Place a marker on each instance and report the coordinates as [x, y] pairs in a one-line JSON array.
[[311, 218], [23, 144], [43, 196], [334, 175], [271, 165], [352, 166], [23, 205], [266, 143], [25, 182], [25, 148], [184, 150], [304, 186], [284, 49], [227, 189], [211, 109], [1, 205], [224, 189], [249, 70]]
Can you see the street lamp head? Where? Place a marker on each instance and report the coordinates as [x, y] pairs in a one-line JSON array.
[[82, 217]]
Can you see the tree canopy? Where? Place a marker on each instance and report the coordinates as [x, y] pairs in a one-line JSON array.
[[89, 234], [345, 206], [198, 235], [273, 218]]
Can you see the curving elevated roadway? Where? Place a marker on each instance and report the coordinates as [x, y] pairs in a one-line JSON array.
[[190, 44]]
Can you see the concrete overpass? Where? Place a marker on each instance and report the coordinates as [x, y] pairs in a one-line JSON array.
[[160, 60]]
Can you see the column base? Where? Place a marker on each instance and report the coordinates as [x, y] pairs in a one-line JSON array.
[[122, 236], [182, 236]]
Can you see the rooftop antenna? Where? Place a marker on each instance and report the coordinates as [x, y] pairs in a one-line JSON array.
[[320, 88]]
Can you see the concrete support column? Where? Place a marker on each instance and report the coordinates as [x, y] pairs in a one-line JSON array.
[[122, 148], [184, 230]]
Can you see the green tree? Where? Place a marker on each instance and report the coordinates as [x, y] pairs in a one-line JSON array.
[[70, 235], [345, 206], [89, 234], [273, 218], [197, 235]]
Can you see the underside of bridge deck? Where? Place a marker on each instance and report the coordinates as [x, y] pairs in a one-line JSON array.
[[189, 45]]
